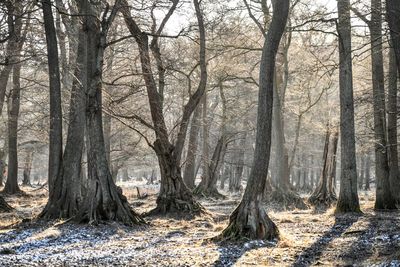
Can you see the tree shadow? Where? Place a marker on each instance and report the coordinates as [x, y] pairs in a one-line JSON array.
[[230, 253], [37, 234], [311, 254], [380, 239]]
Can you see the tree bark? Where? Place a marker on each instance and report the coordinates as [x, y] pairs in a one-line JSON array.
[[249, 220], [393, 19], [103, 199], [325, 194], [384, 199], [4, 207], [64, 200], [55, 136], [190, 163], [11, 186], [348, 197], [394, 175], [28, 168]]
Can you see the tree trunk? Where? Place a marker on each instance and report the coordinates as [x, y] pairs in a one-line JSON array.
[[348, 197], [103, 199], [3, 166], [325, 194], [394, 175], [367, 171], [28, 168], [4, 207], [249, 220], [55, 136], [190, 163], [174, 195], [361, 178], [384, 199], [393, 18], [11, 186], [235, 181], [66, 197]]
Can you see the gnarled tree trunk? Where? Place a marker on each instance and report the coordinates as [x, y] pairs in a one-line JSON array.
[[4, 207], [103, 199]]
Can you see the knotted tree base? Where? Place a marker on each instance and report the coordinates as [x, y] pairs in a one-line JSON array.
[[249, 221], [286, 199], [322, 198], [107, 204], [347, 206], [4, 207], [182, 205], [209, 193]]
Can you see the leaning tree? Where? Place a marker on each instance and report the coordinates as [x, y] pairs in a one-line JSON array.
[[249, 220], [174, 196]]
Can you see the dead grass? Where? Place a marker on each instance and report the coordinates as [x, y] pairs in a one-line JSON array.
[[307, 238]]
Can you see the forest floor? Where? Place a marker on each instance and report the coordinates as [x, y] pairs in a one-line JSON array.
[[308, 237]]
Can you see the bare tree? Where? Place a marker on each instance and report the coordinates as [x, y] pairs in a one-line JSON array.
[[249, 220]]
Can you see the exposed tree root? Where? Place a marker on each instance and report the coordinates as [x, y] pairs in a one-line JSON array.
[[107, 205], [322, 198], [184, 206], [4, 207], [287, 199], [208, 193], [249, 221]]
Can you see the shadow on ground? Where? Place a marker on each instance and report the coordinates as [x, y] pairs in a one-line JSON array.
[[311, 254]]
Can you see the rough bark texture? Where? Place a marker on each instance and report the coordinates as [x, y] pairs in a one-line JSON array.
[[348, 197], [392, 128], [103, 199], [384, 199], [4, 207], [250, 220], [190, 163], [393, 18], [64, 200], [325, 194], [55, 133]]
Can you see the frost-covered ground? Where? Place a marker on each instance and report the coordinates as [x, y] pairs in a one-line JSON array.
[[307, 238]]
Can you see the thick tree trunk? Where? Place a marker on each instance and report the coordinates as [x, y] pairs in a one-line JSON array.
[[384, 199], [250, 220], [103, 199], [325, 194], [174, 196], [190, 163], [393, 18], [64, 200], [348, 197], [394, 175]]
